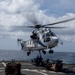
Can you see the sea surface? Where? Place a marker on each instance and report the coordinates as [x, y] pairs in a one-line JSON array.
[[67, 57]]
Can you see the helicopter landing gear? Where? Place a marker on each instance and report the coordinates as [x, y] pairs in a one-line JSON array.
[[44, 52], [51, 51], [28, 53]]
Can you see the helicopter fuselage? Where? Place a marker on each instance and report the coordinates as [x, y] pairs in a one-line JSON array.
[[41, 40]]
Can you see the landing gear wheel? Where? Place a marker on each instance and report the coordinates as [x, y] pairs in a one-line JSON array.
[[44, 52], [51, 51], [28, 53]]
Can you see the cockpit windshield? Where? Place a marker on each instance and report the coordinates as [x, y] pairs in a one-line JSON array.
[[46, 36], [52, 34]]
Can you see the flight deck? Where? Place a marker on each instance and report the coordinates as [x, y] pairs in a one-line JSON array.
[[28, 68]]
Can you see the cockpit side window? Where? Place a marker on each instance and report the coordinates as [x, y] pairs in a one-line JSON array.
[[46, 37], [47, 40], [43, 36]]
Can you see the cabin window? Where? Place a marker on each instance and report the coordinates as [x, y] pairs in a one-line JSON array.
[[47, 40]]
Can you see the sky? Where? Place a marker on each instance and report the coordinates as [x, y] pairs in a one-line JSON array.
[[14, 13]]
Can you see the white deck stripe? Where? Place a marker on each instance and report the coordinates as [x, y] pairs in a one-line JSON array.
[[37, 71], [4, 64]]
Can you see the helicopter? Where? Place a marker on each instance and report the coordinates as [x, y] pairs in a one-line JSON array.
[[42, 38]]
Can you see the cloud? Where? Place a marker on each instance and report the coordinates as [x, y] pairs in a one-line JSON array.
[[15, 6], [14, 13]]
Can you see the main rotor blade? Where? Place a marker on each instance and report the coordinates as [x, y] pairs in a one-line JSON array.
[[30, 26], [11, 26], [16, 28], [59, 22], [40, 25], [56, 27]]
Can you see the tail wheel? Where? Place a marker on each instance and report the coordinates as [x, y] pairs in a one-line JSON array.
[[51, 51]]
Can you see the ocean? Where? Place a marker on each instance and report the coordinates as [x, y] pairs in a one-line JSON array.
[[19, 55]]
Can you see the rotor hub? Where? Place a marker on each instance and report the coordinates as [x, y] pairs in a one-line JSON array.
[[37, 26]]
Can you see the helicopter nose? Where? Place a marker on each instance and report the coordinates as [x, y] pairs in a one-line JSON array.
[[56, 39]]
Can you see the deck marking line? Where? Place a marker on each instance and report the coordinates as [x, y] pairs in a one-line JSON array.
[[37, 71], [4, 64], [2, 68]]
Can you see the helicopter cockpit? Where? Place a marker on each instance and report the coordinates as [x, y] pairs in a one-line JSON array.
[[52, 34], [46, 35]]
